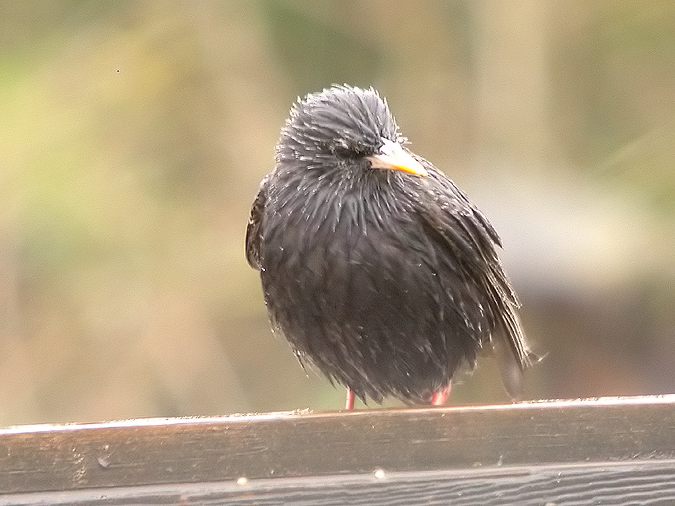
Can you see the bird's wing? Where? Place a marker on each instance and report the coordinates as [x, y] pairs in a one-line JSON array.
[[253, 227], [473, 242]]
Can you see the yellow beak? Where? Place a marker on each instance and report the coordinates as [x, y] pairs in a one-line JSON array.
[[392, 156]]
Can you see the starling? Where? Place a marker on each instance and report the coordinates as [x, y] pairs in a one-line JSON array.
[[375, 266]]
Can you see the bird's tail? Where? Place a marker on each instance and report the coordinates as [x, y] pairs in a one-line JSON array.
[[513, 362]]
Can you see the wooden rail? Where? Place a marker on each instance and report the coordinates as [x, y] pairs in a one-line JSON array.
[[594, 451]]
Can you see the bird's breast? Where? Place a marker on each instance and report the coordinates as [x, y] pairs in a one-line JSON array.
[[350, 258], [358, 225]]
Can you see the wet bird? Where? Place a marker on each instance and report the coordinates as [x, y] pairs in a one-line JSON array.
[[375, 266]]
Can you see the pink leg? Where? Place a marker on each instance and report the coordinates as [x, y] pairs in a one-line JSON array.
[[349, 405], [441, 397]]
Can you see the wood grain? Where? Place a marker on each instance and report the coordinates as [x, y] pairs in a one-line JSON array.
[[618, 483], [552, 449]]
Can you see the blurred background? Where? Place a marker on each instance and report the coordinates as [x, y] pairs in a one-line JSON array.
[[134, 135]]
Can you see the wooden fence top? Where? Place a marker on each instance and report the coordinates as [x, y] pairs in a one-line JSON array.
[[543, 452]]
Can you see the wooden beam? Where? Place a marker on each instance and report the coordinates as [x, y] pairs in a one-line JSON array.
[[471, 451]]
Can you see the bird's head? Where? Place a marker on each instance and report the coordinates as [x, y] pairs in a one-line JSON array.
[[344, 128]]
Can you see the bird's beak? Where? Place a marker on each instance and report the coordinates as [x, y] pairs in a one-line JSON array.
[[392, 156]]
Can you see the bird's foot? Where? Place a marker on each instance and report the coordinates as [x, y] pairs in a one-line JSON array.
[[440, 397], [349, 404]]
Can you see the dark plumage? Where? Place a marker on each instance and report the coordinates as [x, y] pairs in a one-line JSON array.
[[375, 266]]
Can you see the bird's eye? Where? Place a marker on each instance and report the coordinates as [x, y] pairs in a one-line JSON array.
[[344, 149], [342, 145]]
